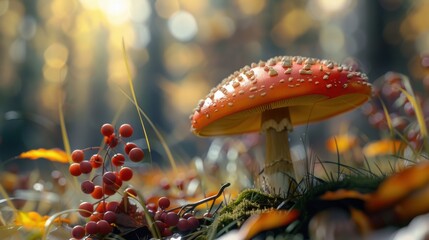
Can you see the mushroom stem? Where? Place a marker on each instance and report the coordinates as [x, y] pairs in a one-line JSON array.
[[278, 169]]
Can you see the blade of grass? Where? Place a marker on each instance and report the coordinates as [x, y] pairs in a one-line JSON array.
[[149, 219], [7, 198], [388, 119], [65, 138], [338, 160], [325, 170], [389, 123], [51, 220], [351, 168], [133, 94], [157, 132], [367, 164], [64, 133], [419, 115]]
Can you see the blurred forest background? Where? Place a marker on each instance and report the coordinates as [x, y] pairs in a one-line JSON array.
[[69, 53]]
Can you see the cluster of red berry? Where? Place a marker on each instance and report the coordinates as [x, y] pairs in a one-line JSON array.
[[401, 112], [167, 221], [105, 216], [103, 213]]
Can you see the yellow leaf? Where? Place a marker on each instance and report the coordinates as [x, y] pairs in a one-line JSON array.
[[341, 143], [30, 220], [34, 221], [383, 147], [55, 155]]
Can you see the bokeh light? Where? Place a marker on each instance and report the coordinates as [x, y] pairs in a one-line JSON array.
[[182, 25]]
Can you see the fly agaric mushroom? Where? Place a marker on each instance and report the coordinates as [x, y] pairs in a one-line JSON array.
[[272, 97]]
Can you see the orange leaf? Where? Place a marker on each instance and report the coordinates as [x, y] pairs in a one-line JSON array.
[[399, 186], [55, 155], [343, 194], [341, 143], [267, 220], [383, 147], [415, 204]]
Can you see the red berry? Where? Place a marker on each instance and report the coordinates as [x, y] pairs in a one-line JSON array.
[[160, 224], [111, 140], [193, 222], [166, 232], [85, 167], [112, 206], [77, 156], [171, 219], [96, 216], [125, 130], [96, 161], [104, 227], [78, 232], [183, 225], [97, 193], [136, 154], [131, 192], [117, 184], [409, 109], [151, 207], [101, 207], [160, 215], [86, 209], [107, 129], [128, 146], [91, 227], [109, 216], [180, 183], [109, 189], [163, 202], [109, 178], [87, 187], [126, 173], [74, 169], [165, 185], [118, 160]]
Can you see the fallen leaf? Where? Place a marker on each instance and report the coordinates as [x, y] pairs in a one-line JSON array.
[[55, 155], [341, 143], [267, 220], [398, 187], [414, 205], [343, 194], [34, 221], [383, 147]]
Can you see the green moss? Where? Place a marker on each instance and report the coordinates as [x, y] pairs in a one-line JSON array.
[[248, 202]]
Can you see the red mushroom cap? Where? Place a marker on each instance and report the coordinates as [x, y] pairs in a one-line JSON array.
[[312, 89]]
